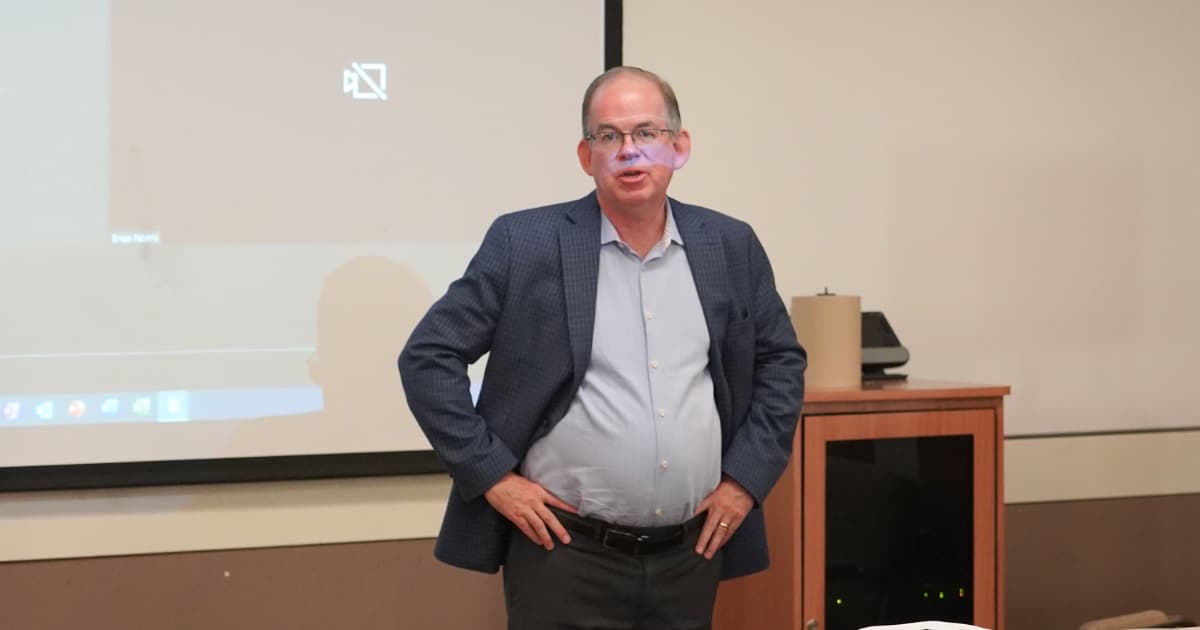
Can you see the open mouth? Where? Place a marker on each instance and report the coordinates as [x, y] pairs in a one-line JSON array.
[[631, 175]]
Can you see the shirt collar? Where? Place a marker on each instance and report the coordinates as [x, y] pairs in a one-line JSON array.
[[608, 232]]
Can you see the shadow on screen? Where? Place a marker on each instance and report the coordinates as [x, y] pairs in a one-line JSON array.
[[366, 310]]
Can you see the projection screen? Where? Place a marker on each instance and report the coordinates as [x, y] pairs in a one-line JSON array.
[[220, 220]]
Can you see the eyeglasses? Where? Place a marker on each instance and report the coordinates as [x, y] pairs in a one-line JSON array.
[[611, 139]]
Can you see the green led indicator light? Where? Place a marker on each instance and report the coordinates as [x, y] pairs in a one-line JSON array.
[[926, 594], [941, 594], [838, 601], [962, 592]]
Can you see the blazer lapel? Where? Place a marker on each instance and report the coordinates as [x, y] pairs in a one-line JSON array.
[[706, 258], [579, 242]]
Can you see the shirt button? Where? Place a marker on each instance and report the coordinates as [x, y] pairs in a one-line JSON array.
[[658, 512], [663, 463], [649, 315], [654, 364], [662, 413]]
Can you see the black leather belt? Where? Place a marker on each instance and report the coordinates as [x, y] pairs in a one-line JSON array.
[[638, 541]]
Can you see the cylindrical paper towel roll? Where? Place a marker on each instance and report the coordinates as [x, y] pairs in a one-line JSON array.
[[830, 329]]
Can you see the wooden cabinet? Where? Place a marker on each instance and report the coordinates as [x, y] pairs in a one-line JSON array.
[[950, 433]]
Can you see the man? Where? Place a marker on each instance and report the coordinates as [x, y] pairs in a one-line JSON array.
[[641, 393]]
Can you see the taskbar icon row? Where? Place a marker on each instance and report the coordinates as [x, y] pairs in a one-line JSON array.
[[95, 408]]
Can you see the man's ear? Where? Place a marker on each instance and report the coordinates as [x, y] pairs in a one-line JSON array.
[[683, 148], [584, 151]]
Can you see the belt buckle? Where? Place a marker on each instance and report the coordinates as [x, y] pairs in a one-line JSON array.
[[622, 541]]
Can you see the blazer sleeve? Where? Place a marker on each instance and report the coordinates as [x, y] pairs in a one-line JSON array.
[[762, 444], [457, 330]]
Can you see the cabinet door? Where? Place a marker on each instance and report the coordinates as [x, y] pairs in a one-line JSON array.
[[899, 518]]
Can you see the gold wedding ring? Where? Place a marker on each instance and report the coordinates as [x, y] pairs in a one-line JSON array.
[[723, 524]]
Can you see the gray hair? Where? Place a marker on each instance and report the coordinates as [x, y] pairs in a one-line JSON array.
[[674, 121]]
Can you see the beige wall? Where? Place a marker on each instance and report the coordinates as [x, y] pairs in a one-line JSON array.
[[122, 521], [1006, 179], [1015, 183]]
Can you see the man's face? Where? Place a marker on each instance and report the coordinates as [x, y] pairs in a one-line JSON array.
[[631, 177]]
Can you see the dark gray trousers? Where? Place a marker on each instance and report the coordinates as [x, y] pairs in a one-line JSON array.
[[584, 585]]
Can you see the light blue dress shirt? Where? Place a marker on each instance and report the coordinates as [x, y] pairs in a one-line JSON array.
[[641, 443]]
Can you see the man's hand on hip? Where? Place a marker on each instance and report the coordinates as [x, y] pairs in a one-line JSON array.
[[524, 503], [727, 507]]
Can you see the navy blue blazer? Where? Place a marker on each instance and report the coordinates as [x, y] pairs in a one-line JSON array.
[[529, 298]]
